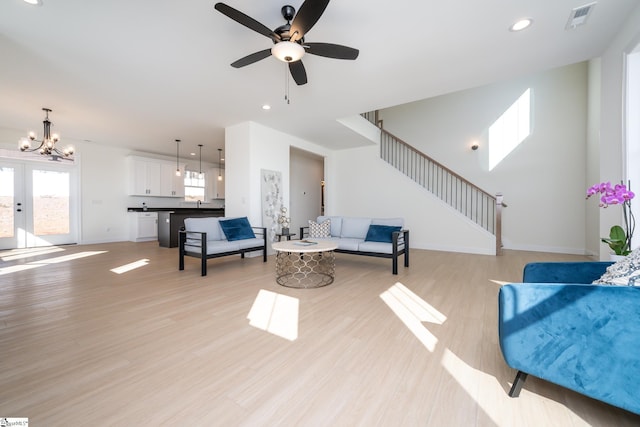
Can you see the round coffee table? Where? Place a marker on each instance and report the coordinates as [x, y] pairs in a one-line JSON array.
[[305, 266]]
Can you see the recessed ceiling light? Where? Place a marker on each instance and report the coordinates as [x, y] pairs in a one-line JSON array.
[[192, 154], [521, 24], [266, 107], [34, 2]]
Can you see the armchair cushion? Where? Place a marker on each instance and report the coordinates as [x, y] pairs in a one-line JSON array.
[[237, 229]]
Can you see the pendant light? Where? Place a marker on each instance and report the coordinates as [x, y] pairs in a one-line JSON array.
[[219, 164], [177, 161], [200, 173]]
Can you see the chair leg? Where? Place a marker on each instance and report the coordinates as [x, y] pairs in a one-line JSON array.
[[203, 266], [518, 382]]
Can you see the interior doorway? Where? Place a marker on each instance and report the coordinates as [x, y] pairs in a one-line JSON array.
[[306, 187], [37, 204]]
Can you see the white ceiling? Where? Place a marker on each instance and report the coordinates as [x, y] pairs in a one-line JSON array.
[[141, 73]]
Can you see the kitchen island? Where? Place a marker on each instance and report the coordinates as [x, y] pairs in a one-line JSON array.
[[171, 220]]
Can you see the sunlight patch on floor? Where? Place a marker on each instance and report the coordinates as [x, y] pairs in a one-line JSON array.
[[499, 282], [17, 254], [131, 266], [473, 381], [43, 262], [412, 311], [275, 313]]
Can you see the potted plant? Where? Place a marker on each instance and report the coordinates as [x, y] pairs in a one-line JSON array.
[[619, 239]]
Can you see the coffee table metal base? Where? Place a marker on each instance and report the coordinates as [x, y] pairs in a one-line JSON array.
[[305, 270]]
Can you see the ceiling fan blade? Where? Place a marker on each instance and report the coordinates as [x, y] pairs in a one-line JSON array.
[[298, 72], [331, 50], [247, 21], [250, 59], [307, 16]]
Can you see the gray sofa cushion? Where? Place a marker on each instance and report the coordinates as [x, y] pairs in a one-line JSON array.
[[377, 247], [355, 228], [215, 247], [348, 244], [250, 243], [209, 225]]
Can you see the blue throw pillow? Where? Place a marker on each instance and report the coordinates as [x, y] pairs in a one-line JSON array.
[[237, 229], [381, 233]]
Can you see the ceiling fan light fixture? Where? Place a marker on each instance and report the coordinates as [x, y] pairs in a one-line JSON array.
[[287, 51]]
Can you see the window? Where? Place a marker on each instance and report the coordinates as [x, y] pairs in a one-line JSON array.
[[193, 186], [513, 127]]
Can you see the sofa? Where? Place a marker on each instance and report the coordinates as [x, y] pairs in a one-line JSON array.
[[560, 327], [214, 237], [376, 237]]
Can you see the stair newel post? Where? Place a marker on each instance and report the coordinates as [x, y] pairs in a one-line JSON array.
[[499, 205]]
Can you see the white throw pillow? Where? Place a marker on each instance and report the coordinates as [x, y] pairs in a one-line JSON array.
[[319, 230], [625, 272]]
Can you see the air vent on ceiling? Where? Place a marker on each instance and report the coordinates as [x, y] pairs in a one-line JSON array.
[[579, 15]]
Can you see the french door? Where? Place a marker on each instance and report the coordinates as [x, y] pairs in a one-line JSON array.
[[37, 204]]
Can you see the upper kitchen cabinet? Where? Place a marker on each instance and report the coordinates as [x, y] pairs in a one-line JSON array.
[[215, 183], [170, 184], [156, 178], [144, 177]]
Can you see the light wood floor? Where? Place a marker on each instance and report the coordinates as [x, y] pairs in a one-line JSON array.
[[81, 345]]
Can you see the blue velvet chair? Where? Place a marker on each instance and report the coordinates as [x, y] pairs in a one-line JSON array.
[[558, 327]]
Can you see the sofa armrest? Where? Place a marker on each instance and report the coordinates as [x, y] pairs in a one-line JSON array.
[[583, 337], [564, 272], [193, 235]]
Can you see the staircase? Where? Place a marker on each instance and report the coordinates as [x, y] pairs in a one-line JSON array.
[[471, 201]]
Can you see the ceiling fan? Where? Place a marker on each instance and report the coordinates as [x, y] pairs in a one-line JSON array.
[[289, 45]]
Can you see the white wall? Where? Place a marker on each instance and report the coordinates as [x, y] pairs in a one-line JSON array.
[[611, 156], [369, 187], [542, 180], [592, 214], [250, 148]]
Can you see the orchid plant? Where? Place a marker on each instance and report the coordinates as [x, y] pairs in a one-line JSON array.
[[619, 239]]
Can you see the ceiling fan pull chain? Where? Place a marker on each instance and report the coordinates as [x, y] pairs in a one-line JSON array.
[[287, 96]]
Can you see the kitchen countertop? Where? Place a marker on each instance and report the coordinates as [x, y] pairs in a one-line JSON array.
[[176, 210]]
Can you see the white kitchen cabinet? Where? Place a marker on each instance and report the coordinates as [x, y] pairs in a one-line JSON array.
[[144, 177], [170, 184], [143, 226], [215, 187], [155, 178]]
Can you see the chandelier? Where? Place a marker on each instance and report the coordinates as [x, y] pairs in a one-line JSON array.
[[47, 145]]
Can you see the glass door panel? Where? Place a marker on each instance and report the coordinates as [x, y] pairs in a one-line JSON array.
[[37, 207], [12, 215], [50, 203]]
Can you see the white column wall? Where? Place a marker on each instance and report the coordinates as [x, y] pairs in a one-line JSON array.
[[611, 155], [250, 148]]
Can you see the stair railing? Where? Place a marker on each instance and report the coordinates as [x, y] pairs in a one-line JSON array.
[[467, 198]]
